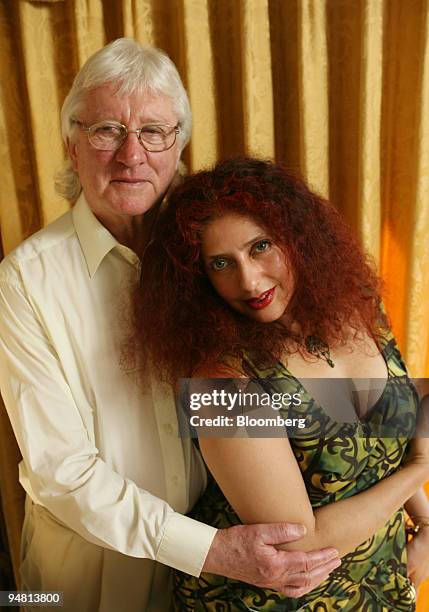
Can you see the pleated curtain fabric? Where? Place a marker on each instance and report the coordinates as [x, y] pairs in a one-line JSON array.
[[337, 89]]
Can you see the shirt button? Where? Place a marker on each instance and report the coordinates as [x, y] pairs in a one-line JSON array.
[[175, 479], [168, 427]]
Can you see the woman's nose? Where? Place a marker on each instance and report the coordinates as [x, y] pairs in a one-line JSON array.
[[249, 278]]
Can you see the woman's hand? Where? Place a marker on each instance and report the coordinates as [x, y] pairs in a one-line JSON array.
[[418, 557]]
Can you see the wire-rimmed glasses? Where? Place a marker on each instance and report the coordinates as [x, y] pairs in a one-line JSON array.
[[110, 135]]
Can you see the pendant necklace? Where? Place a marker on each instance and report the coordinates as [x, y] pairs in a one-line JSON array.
[[317, 347]]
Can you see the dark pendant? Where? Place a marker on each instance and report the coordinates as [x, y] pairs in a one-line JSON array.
[[317, 347]]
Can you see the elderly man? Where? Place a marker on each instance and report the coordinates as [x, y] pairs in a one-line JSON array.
[[106, 475]]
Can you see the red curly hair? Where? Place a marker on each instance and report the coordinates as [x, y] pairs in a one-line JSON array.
[[183, 323]]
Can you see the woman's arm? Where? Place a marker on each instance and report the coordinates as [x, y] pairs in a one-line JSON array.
[[261, 479]]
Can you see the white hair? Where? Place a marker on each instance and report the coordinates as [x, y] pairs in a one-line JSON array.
[[135, 69]]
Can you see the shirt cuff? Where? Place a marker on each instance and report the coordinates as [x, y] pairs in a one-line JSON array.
[[185, 544]]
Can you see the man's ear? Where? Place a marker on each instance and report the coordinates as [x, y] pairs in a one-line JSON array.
[[71, 147]]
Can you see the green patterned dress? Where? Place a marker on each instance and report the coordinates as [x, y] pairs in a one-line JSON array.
[[337, 460]]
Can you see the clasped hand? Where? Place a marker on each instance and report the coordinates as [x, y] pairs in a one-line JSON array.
[[248, 553]]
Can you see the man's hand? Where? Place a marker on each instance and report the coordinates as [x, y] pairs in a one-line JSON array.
[[248, 553]]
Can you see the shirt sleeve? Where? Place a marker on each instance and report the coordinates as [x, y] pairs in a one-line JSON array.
[[64, 470]]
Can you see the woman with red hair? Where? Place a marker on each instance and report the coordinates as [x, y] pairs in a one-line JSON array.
[[250, 274]]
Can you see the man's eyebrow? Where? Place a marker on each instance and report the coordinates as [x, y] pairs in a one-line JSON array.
[[101, 118]]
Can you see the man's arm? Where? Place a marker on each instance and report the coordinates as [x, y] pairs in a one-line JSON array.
[[66, 474], [62, 467]]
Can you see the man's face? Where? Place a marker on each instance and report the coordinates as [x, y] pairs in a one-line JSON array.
[[129, 181]]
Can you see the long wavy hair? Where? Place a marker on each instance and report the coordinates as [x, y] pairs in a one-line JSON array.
[[180, 320]]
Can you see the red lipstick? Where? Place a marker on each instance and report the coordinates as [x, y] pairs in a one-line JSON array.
[[263, 300]]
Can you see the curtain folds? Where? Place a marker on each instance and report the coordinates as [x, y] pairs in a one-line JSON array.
[[338, 89]]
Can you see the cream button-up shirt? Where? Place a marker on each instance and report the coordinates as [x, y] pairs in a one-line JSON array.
[[99, 438]]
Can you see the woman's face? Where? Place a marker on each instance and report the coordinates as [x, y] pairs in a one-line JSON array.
[[247, 269]]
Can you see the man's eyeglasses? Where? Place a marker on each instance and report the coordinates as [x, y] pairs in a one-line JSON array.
[[110, 135]]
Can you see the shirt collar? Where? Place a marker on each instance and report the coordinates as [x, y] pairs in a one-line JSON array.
[[95, 240]]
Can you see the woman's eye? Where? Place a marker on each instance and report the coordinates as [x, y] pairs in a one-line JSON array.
[[218, 264], [261, 246]]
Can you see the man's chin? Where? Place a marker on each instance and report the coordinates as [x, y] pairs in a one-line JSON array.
[[135, 206], [129, 184], [133, 201]]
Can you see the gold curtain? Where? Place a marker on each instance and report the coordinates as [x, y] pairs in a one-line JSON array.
[[339, 89]]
